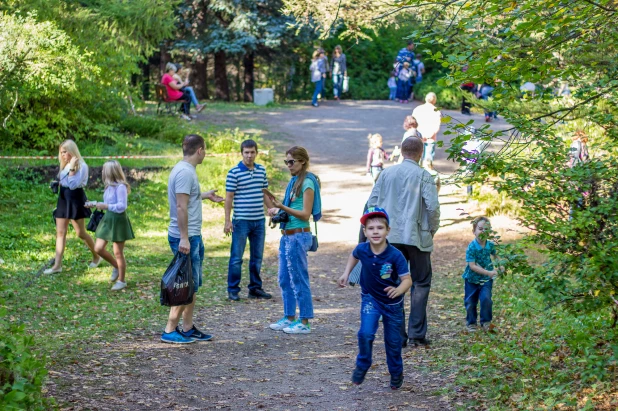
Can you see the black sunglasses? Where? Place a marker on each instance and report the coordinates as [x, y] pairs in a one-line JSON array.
[[289, 163]]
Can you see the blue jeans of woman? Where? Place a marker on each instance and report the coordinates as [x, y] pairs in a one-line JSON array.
[[294, 275], [337, 84], [472, 294], [191, 94], [392, 318], [255, 231], [316, 92]]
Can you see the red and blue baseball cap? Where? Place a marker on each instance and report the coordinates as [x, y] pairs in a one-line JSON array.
[[374, 212]]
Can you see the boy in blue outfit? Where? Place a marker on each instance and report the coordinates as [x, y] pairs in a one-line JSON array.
[[384, 280], [479, 275]]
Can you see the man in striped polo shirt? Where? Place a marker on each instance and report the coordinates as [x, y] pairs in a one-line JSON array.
[[243, 188]]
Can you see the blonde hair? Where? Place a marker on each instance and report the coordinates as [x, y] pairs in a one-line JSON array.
[[477, 220], [71, 148], [171, 66], [316, 54], [300, 153], [375, 140], [112, 175]]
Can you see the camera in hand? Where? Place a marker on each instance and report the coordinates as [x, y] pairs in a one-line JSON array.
[[54, 186], [280, 217]]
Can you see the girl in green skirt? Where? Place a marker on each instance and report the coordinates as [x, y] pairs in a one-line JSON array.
[[115, 225]]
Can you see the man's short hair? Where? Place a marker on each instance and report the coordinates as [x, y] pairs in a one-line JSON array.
[[410, 43], [191, 144], [412, 147], [376, 217], [248, 144]]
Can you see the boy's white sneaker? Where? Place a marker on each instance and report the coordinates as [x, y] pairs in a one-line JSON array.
[[297, 327], [281, 324]]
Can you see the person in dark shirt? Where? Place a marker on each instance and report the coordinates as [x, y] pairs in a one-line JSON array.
[[384, 280]]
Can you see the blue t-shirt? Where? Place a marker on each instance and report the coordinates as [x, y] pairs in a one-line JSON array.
[[380, 271], [482, 257]]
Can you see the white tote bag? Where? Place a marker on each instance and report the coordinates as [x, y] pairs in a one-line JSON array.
[[346, 84]]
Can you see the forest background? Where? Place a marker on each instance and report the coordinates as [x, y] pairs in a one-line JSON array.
[[83, 69]]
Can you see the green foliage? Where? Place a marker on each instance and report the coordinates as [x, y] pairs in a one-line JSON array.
[[448, 97], [21, 371]]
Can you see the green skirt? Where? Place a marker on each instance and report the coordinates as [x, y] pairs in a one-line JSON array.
[[115, 227]]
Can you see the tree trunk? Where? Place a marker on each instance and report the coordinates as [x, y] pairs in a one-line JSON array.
[[248, 62], [165, 58], [222, 88], [146, 81], [200, 78]]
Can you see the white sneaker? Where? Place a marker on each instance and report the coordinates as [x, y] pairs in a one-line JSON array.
[[95, 264], [185, 117], [52, 270], [297, 327], [281, 324], [119, 286], [114, 275]]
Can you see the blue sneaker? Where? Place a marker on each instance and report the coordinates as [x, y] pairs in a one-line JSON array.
[[176, 338], [194, 334]]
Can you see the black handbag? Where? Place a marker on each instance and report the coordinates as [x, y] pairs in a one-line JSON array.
[[95, 219]]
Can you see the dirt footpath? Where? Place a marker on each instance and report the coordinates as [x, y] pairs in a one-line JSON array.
[[248, 366]]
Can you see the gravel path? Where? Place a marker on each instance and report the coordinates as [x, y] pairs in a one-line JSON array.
[[248, 366]]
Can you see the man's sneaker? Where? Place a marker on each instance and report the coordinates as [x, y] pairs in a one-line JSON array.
[[471, 328], [260, 294], [119, 286], [233, 296], [176, 338], [358, 376], [419, 342], [297, 327], [114, 275], [281, 324], [396, 381], [194, 334], [487, 327]]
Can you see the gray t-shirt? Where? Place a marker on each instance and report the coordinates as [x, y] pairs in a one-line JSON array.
[[183, 180]]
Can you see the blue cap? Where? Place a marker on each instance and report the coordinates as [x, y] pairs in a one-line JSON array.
[[374, 212]]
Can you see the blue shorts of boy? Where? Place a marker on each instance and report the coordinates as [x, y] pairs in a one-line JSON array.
[[196, 254], [378, 272], [478, 287]]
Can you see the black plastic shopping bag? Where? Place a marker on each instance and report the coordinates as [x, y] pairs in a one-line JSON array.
[[177, 282]]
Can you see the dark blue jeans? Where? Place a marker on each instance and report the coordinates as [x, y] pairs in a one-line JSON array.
[[392, 318], [472, 294], [255, 231], [317, 91], [337, 84], [197, 256]]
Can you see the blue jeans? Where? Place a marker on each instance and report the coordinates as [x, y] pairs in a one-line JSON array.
[[197, 256], [392, 318], [191, 94], [294, 275], [255, 231], [472, 294], [317, 91], [429, 151], [486, 92], [393, 93], [337, 84]]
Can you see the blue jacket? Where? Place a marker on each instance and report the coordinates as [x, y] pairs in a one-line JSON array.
[[316, 210]]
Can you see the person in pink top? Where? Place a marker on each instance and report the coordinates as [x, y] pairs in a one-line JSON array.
[[174, 91]]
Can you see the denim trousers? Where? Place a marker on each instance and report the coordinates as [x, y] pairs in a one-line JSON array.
[[337, 84], [472, 294], [392, 318], [429, 152], [486, 92], [191, 94], [294, 275], [393, 93], [197, 256], [255, 232], [317, 91]]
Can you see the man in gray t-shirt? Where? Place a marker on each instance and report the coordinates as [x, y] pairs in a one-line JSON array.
[[185, 233]]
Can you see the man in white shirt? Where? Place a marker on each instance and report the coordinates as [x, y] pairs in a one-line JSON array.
[[429, 119]]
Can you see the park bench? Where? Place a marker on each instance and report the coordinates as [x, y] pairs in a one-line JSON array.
[[162, 98]]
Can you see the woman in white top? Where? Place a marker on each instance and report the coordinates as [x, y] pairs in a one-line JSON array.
[[71, 203]]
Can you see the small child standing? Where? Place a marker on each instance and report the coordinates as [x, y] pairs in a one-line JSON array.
[[392, 86], [479, 275], [115, 225], [403, 85], [375, 156], [384, 280]]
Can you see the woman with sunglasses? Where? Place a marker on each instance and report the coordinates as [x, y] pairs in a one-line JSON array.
[[302, 200]]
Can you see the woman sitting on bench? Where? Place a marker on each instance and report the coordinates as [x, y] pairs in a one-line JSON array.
[[174, 92]]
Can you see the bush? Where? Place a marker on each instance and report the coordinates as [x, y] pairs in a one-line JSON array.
[[21, 372], [448, 97]]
